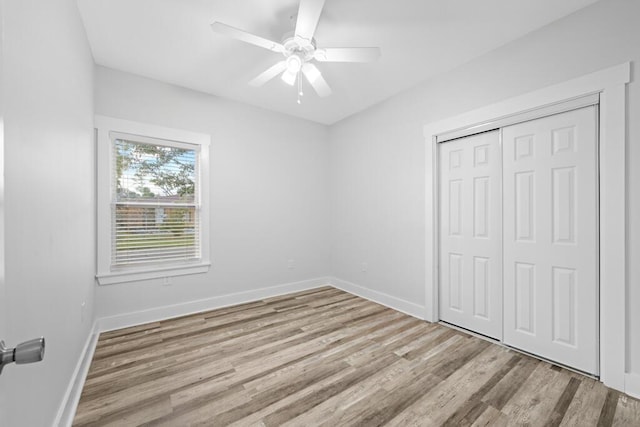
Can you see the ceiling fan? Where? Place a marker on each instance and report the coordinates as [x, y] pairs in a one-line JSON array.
[[299, 50]]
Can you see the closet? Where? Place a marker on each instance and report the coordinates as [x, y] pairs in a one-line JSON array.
[[518, 234]]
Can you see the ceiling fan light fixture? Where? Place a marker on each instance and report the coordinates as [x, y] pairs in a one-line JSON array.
[[289, 78], [294, 64]]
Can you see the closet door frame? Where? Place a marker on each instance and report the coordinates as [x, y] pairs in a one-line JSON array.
[[610, 84]]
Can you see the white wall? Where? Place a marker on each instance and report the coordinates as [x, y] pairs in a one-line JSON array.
[[377, 157], [268, 192], [49, 203], [4, 388]]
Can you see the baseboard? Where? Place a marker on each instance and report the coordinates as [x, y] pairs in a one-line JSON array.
[[161, 313], [407, 307], [69, 403], [632, 385]]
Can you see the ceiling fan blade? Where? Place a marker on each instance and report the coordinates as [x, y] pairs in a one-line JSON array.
[[308, 16], [235, 33], [316, 80], [269, 74], [347, 54]]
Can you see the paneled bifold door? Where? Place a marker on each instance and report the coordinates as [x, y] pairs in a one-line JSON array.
[[518, 236], [471, 233]]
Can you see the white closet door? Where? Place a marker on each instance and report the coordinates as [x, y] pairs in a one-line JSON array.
[[470, 233], [550, 238]]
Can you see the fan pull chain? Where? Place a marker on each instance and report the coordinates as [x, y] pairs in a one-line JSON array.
[[300, 93]]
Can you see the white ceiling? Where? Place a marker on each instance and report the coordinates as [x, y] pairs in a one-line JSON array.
[[171, 41]]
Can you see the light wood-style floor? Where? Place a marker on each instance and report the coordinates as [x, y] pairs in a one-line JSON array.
[[326, 357]]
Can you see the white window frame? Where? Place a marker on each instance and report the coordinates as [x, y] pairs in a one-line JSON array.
[[106, 275]]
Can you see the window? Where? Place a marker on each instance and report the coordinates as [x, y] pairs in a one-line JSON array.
[[152, 201]]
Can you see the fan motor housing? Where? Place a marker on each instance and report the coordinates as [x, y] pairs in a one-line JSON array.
[[298, 45]]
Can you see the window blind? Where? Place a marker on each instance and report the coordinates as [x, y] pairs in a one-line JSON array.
[[155, 210]]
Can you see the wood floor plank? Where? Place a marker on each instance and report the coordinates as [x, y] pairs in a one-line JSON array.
[[201, 414], [119, 332], [475, 365], [389, 404], [266, 398], [586, 405], [608, 411], [139, 414], [326, 357], [535, 400], [351, 400], [321, 394], [563, 403], [491, 417], [474, 407], [506, 388], [372, 393], [627, 412]]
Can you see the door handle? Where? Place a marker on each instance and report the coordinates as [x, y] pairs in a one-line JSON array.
[[27, 352]]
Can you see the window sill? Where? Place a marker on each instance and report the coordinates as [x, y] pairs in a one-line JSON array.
[[147, 274]]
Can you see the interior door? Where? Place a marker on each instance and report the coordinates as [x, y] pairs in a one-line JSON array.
[[550, 238], [470, 233]]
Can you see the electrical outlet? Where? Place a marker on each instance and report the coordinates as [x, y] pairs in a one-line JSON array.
[[83, 309], [291, 264], [364, 267], [166, 281]]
